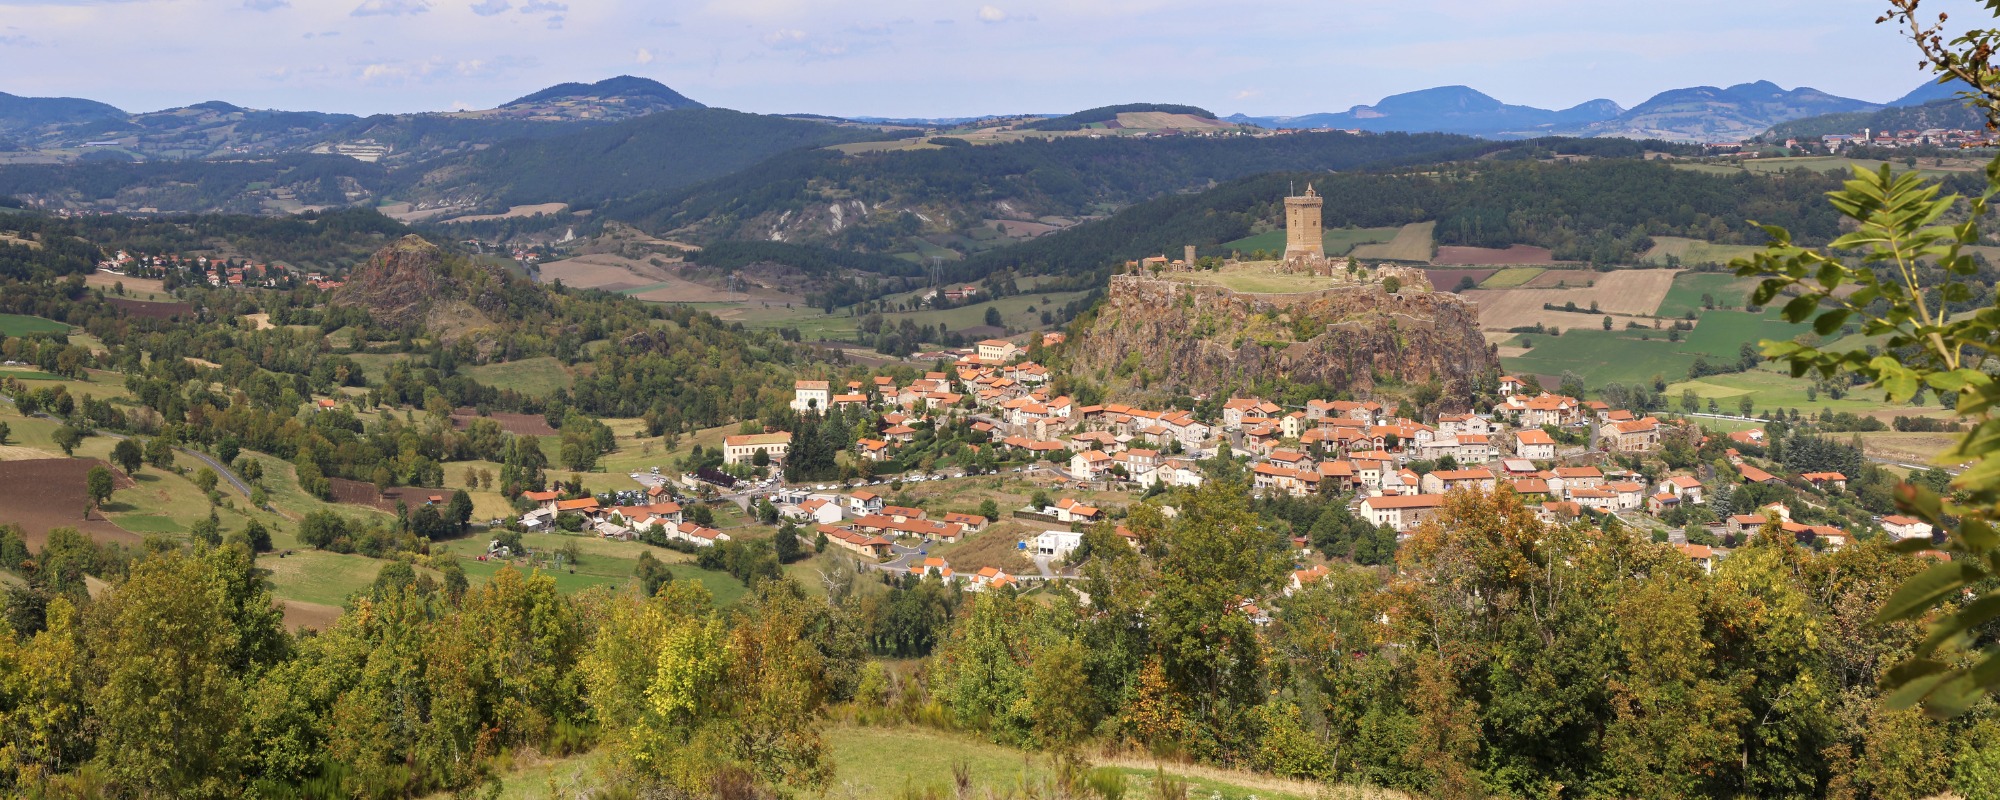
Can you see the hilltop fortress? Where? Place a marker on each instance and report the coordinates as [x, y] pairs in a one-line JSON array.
[[1177, 327]]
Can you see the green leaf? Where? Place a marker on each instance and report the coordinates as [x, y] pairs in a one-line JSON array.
[[1973, 615], [1831, 321], [1926, 588]]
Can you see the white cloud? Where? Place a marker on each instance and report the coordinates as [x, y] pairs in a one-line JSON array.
[[543, 7], [782, 39], [487, 8], [390, 8], [644, 56], [991, 14]]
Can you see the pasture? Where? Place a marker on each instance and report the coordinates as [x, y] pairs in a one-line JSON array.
[[1603, 357], [1726, 290], [136, 288], [24, 325], [1512, 277], [1689, 252], [1257, 277], [535, 377], [1631, 293], [1769, 389], [1413, 242], [1338, 241], [1722, 334]]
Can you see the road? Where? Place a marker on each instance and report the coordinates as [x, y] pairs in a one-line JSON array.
[[223, 471]]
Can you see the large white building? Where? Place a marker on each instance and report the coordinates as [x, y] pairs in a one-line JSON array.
[[811, 396], [743, 449], [1401, 512]]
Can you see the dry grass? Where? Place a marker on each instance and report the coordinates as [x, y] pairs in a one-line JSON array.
[[1488, 256], [517, 212], [136, 288], [259, 322], [1412, 243], [1632, 292]]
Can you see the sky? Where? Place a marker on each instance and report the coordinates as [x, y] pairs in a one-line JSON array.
[[938, 58]]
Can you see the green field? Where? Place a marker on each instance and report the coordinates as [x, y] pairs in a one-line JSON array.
[[534, 377], [1259, 281], [1604, 357], [1412, 243], [23, 325], [1721, 334], [1338, 241], [1510, 278], [24, 374], [1768, 388], [1727, 290], [605, 563], [1695, 251]]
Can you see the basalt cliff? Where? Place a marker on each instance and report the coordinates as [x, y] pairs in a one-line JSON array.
[[1170, 336]]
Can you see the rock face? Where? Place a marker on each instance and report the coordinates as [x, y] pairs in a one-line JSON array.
[[413, 282], [398, 283], [1197, 338]]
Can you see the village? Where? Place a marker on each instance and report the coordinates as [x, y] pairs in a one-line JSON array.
[[1568, 459], [221, 273]]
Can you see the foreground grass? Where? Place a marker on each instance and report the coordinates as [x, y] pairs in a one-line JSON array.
[[871, 762]]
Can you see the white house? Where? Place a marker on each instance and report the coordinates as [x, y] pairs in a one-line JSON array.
[[821, 512], [744, 449], [1058, 544], [811, 396], [1400, 512], [1907, 528], [1534, 444]]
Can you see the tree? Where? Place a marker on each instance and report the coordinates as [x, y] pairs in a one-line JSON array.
[[128, 456], [205, 479], [164, 695], [652, 574], [1392, 284], [258, 536], [67, 437], [98, 484], [993, 317], [160, 452], [990, 509], [459, 513], [1607, 321], [1745, 406], [1690, 402], [785, 544], [320, 529], [5, 431]]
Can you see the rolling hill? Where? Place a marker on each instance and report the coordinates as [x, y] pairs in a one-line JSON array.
[[1448, 109]]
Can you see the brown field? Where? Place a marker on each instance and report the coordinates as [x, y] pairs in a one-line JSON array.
[[259, 322], [614, 273], [299, 616], [517, 424], [1909, 448], [365, 494], [517, 212], [140, 288], [993, 547], [1634, 292], [1412, 243], [57, 500], [1517, 255], [141, 308], [1447, 280], [1154, 120], [1022, 230]]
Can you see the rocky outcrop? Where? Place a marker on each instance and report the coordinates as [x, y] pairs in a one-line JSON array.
[[412, 282], [1198, 338]]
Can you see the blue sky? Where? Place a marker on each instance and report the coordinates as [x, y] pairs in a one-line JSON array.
[[939, 57]]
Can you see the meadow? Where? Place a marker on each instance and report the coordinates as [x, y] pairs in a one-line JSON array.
[[541, 376], [24, 325], [1690, 252], [1603, 357], [1511, 278], [1413, 242], [1338, 241], [1727, 290]]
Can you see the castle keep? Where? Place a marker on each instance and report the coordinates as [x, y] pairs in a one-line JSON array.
[[1304, 238]]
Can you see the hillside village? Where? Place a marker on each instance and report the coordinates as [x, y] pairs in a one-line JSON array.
[[1568, 458]]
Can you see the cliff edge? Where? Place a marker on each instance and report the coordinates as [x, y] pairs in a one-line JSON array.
[[1177, 336]]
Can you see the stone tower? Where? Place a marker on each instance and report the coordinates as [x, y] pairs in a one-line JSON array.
[[1304, 239]]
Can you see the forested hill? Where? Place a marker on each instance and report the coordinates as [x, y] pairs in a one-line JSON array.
[[1601, 211], [883, 197], [658, 151], [331, 240], [1950, 114]]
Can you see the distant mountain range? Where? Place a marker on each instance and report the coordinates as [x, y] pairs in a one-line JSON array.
[[59, 129], [1694, 114]]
